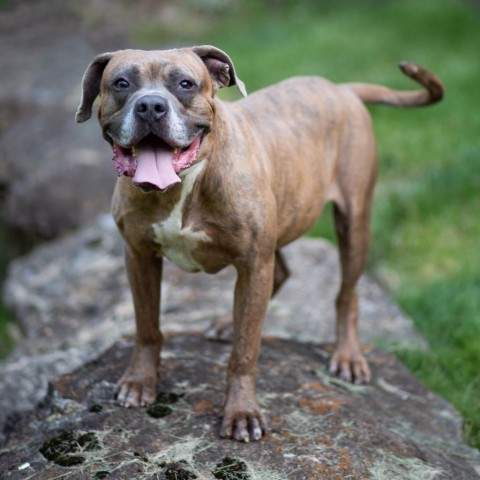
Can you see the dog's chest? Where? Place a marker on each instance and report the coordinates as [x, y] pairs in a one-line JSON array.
[[179, 241]]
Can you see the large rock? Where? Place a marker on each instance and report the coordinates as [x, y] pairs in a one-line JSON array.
[[56, 174], [320, 428], [74, 305]]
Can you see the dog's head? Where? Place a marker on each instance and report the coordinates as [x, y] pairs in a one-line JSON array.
[[156, 107]]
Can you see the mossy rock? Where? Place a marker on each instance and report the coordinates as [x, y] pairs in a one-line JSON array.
[[160, 408], [230, 468], [179, 471], [65, 448]]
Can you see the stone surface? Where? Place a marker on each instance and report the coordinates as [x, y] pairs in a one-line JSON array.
[[56, 174], [72, 298], [320, 428]]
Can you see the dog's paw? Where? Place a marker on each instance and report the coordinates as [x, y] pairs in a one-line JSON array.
[[221, 329], [242, 419], [138, 384], [135, 392], [351, 366], [243, 425]]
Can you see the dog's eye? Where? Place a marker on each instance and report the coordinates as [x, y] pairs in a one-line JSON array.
[[121, 84], [186, 85]]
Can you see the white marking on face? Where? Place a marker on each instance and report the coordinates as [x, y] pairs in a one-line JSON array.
[[127, 129], [175, 129], [178, 242]]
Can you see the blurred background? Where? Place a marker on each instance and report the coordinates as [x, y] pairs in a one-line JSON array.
[[56, 175]]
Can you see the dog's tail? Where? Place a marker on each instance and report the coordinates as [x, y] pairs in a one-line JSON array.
[[432, 93]]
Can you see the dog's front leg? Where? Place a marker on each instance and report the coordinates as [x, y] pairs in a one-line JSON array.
[[138, 384], [242, 419]]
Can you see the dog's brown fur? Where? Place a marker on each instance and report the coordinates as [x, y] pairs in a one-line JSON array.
[[265, 169]]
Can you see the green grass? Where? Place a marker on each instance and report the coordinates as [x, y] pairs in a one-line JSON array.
[[426, 221]]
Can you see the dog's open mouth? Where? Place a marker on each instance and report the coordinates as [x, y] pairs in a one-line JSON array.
[[153, 164]]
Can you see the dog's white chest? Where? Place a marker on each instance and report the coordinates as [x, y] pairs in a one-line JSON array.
[[178, 241]]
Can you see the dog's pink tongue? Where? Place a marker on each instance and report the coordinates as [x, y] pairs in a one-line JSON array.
[[155, 167]]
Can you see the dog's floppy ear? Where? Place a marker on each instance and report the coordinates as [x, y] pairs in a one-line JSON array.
[[91, 86], [220, 67]]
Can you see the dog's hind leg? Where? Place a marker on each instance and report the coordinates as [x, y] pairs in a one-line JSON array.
[[352, 228]]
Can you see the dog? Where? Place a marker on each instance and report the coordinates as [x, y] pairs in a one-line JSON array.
[[207, 183]]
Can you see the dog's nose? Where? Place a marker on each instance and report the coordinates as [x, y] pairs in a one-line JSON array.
[[151, 107]]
